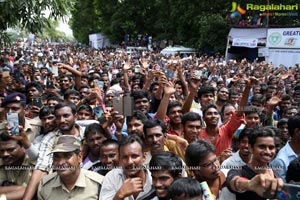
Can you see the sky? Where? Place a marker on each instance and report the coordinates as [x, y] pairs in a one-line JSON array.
[[64, 27]]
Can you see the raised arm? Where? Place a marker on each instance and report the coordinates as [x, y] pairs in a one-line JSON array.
[[194, 85], [270, 105], [163, 106], [149, 79], [75, 72], [126, 79], [185, 88], [243, 103], [161, 82]]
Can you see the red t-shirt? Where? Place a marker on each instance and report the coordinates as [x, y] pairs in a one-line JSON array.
[[226, 132]]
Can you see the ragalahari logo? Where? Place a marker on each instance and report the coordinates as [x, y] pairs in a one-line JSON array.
[[236, 10]]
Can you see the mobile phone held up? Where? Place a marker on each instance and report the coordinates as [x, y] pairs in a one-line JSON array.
[[124, 105], [118, 104], [50, 85], [198, 74], [37, 101], [13, 122], [55, 70], [100, 84], [137, 69]]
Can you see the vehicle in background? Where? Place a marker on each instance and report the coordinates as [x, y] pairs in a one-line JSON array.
[[178, 50], [133, 50]]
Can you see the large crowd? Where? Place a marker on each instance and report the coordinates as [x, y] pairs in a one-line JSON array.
[[108, 124]]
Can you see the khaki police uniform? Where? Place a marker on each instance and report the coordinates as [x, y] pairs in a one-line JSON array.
[[87, 186], [32, 128], [16, 175]]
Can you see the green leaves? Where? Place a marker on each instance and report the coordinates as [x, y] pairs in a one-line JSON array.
[[199, 23], [30, 15]]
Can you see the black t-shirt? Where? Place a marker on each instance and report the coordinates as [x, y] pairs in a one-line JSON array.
[[246, 172]]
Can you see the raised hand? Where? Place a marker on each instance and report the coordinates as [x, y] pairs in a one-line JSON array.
[[194, 83], [251, 81], [145, 63], [127, 65], [22, 137], [98, 92], [118, 120], [169, 88], [225, 154], [162, 79], [108, 120]]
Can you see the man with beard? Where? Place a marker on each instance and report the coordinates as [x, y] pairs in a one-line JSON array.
[[65, 116], [132, 181], [94, 135], [156, 139], [66, 81], [15, 167], [286, 101], [252, 180], [222, 98], [69, 181]]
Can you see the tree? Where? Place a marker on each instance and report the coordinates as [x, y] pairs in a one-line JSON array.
[[199, 23], [31, 15], [84, 20], [51, 33]]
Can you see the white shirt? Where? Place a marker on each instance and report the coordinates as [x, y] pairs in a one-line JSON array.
[[115, 179], [233, 161]]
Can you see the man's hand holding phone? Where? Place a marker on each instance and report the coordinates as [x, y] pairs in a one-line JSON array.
[[118, 120], [22, 137], [13, 123]]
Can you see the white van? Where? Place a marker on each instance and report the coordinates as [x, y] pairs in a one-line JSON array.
[[178, 50], [132, 50]]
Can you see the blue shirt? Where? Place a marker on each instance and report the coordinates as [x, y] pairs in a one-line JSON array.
[[282, 161]]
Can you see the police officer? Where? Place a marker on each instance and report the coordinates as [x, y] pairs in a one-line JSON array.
[[69, 181], [15, 102]]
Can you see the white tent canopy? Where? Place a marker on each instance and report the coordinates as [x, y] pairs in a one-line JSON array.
[[248, 33]]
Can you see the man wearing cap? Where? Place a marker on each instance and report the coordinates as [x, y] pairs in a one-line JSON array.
[[65, 114], [15, 102], [69, 181]]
